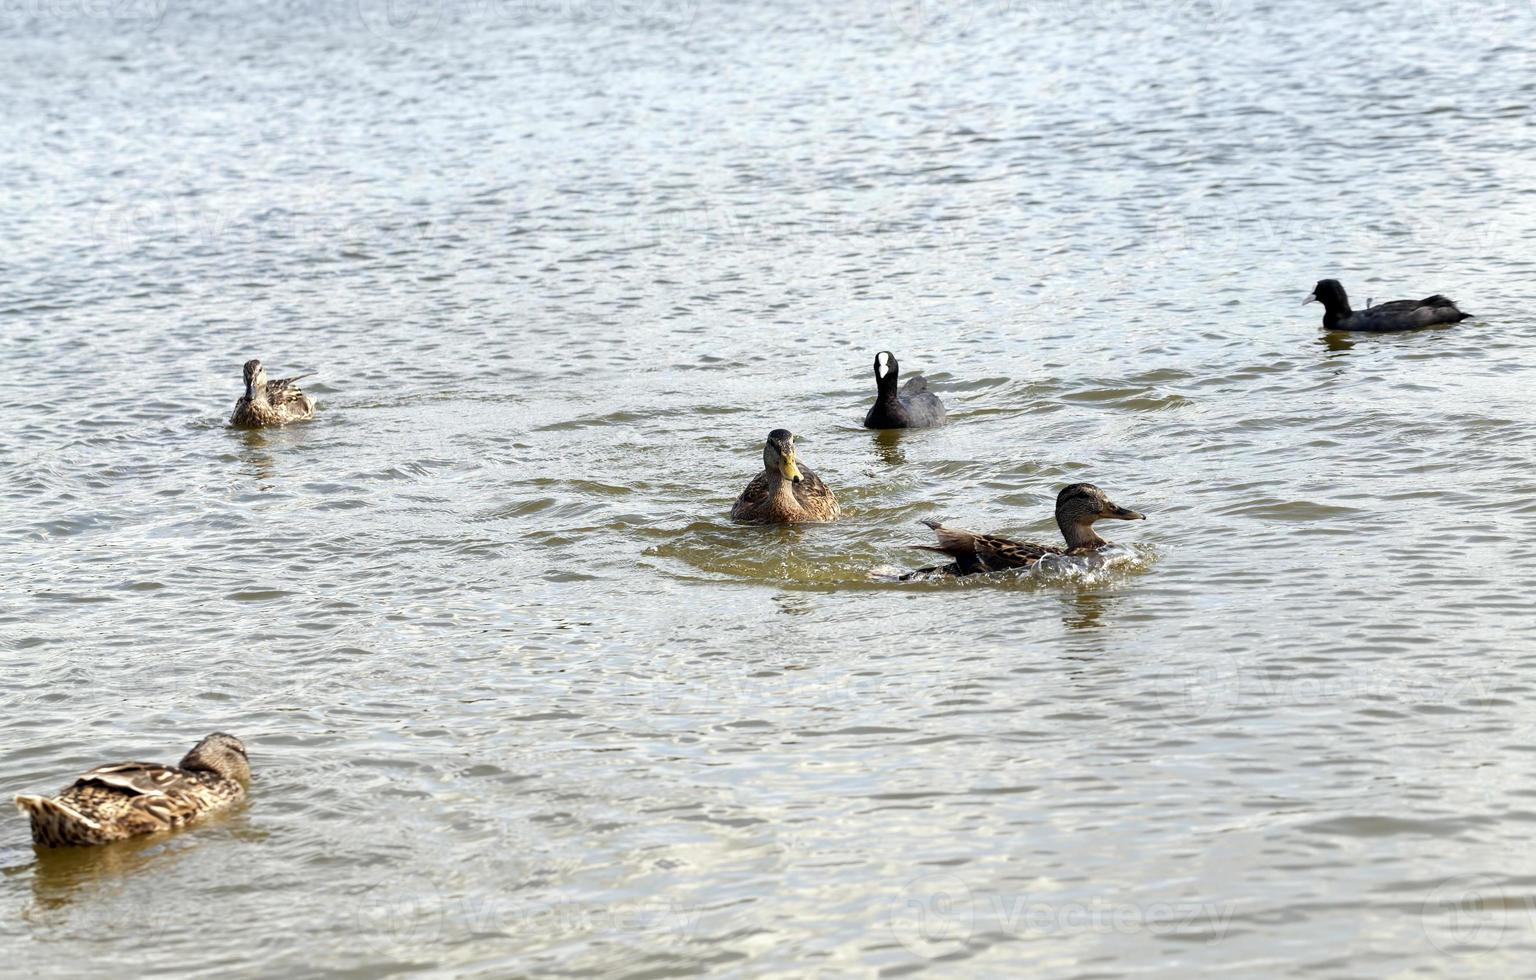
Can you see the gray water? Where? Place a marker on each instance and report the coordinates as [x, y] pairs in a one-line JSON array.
[[521, 700]]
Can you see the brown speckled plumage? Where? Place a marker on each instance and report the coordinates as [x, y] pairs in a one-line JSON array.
[[270, 402], [1077, 507], [785, 492], [127, 799]]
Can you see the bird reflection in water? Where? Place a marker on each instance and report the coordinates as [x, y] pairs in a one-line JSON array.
[[1084, 609], [888, 446], [256, 456], [97, 891], [1337, 342]]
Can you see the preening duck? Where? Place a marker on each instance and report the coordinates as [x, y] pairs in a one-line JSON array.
[[127, 799]]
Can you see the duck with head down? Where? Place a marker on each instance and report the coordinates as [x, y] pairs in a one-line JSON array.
[[784, 492], [127, 799], [270, 402], [1077, 508]]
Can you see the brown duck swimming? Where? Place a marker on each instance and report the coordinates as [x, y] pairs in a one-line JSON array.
[[131, 798], [785, 492], [1077, 507], [270, 402]]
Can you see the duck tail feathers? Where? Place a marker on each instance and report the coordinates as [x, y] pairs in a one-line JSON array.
[[46, 812], [952, 540]]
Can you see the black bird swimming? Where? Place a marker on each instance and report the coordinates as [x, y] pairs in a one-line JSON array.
[[1400, 314], [912, 407]]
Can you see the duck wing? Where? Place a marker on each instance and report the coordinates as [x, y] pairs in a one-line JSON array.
[[133, 778], [975, 553], [815, 496], [286, 389], [280, 383], [753, 496]]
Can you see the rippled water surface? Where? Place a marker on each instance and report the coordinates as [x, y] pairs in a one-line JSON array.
[[521, 699]]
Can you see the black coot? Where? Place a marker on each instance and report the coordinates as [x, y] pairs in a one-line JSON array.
[[1400, 314], [913, 406]]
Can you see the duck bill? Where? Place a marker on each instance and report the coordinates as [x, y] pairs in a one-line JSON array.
[[1118, 513], [250, 392], [789, 470], [1311, 298]]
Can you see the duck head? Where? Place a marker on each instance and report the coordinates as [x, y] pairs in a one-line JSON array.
[[222, 754], [779, 455], [1079, 505], [255, 379]]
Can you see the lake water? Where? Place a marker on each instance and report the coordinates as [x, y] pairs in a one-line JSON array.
[[519, 697]]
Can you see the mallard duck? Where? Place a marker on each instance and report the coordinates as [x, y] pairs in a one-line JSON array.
[[131, 798], [1399, 314], [912, 407], [270, 402], [785, 492], [1077, 507]]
